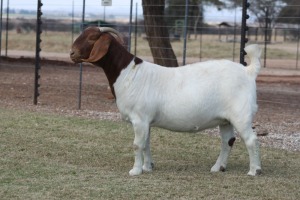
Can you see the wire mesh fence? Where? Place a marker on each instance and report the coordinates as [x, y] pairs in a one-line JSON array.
[[213, 35], [209, 35]]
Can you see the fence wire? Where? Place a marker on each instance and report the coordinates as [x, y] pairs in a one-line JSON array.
[[216, 37], [214, 30]]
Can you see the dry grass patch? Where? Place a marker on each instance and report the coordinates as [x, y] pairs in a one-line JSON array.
[[212, 48], [46, 156]]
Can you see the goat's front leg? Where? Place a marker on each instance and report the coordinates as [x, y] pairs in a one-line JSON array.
[[141, 131], [148, 163]]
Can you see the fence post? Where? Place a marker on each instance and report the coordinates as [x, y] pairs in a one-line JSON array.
[[135, 31], [80, 65], [200, 49], [6, 37], [130, 27], [244, 28], [72, 38], [185, 30], [266, 36], [1, 9], [298, 40], [234, 34], [37, 52]]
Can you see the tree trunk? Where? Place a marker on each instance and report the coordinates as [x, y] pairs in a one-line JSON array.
[[157, 33]]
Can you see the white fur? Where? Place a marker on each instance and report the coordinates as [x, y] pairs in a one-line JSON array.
[[190, 98]]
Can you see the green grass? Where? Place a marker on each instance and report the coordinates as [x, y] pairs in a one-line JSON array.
[[45, 156]]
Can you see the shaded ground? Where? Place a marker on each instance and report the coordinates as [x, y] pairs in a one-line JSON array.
[[278, 96]]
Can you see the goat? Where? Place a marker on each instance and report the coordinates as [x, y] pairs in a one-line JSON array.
[[190, 98]]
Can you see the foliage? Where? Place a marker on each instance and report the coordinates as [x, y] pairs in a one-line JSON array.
[[175, 10], [288, 12], [260, 8]]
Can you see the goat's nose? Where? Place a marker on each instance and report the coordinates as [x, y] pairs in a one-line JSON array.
[[72, 52]]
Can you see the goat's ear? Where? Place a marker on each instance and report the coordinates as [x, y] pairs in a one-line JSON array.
[[100, 48]]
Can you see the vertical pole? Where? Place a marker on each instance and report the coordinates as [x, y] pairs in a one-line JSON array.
[[37, 52], [185, 30], [72, 38], [200, 51], [7, 17], [234, 34], [80, 65], [266, 36], [244, 28], [135, 38], [298, 40], [104, 13], [130, 25], [1, 9], [297, 55], [201, 28]]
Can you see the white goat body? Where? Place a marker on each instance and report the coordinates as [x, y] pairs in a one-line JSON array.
[[191, 98], [188, 98]]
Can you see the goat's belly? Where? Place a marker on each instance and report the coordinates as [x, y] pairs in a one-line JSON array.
[[188, 125]]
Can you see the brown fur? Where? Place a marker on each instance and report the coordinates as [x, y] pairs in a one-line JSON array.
[[102, 50]]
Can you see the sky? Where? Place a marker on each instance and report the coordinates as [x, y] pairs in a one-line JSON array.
[[119, 7], [92, 5]]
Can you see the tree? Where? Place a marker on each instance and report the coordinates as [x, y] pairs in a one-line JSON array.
[[264, 11], [290, 12], [260, 9], [157, 33], [175, 11]]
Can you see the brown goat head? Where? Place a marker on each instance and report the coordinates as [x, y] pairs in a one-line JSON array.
[[90, 46]]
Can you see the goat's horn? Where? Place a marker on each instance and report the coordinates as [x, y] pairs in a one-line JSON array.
[[108, 29]]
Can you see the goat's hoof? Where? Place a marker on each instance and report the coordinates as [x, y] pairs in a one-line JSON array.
[[214, 169], [256, 172], [217, 168], [135, 171], [222, 169], [148, 168]]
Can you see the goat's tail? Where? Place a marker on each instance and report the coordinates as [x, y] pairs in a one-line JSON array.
[[253, 52]]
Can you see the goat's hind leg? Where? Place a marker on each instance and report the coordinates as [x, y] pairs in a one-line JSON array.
[[252, 145], [227, 136]]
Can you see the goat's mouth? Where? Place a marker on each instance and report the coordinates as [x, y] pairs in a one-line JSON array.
[[75, 58]]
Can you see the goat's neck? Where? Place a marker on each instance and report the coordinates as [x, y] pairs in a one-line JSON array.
[[116, 59]]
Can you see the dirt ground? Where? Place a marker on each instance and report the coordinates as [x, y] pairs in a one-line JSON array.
[[278, 97]]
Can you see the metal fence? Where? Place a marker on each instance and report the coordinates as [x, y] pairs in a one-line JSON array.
[[213, 30], [216, 37]]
